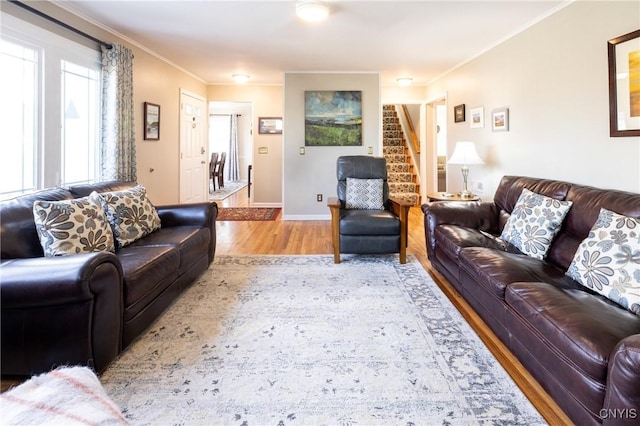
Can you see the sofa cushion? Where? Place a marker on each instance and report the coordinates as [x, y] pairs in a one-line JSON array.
[[364, 194], [130, 213], [608, 260], [147, 272], [369, 222], [534, 222], [192, 243], [495, 270], [587, 336], [70, 227]]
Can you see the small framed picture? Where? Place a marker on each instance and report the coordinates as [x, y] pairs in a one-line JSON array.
[[151, 122], [500, 120], [270, 125], [477, 117], [458, 113]]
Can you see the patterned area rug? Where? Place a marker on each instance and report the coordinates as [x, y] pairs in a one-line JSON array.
[[222, 193], [247, 213], [280, 340]]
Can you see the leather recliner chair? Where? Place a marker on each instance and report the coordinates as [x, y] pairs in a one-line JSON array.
[[364, 231]]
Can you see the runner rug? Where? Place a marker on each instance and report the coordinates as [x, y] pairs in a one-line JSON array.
[[247, 213], [299, 340]]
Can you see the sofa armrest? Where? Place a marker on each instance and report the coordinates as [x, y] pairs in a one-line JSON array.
[[60, 310], [483, 216], [622, 398], [197, 214]]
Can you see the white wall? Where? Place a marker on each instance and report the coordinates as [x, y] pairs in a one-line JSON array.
[[305, 176], [553, 79]]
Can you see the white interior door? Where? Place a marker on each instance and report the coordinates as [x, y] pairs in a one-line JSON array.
[[194, 164]]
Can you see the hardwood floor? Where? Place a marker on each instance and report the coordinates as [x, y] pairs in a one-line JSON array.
[[314, 237]]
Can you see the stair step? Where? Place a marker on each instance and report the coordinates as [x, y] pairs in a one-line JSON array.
[[393, 142], [398, 168], [400, 177], [412, 198], [396, 158], [397, 149], [393, 134], [397, 187]]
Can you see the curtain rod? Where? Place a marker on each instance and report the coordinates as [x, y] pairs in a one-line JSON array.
[[62, 24]]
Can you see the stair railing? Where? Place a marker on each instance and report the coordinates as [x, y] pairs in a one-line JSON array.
[[412, 133]]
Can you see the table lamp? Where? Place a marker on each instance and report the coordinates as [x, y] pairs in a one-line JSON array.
[[465, 154]]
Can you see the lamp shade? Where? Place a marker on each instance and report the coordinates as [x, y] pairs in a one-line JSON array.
[[465, 153]]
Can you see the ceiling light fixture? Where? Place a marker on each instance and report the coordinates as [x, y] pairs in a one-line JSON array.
[[404, 81], [312, 10], [240, 78]]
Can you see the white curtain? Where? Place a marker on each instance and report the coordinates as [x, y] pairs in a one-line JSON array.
[[118, 142], [233, 169]]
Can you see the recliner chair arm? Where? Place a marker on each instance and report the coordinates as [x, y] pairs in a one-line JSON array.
[[401, 209]]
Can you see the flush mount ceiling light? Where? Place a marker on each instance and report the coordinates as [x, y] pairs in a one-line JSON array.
[[404, 81], [312, 10], [240, 78]]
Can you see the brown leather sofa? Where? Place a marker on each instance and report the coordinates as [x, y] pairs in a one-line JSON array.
[[581, 347], [85, 309]]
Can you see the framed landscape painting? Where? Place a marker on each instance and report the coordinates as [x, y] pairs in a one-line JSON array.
[[333, 118], [624, 85]]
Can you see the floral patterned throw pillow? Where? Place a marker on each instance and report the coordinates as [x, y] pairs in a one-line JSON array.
[[72, 227], [608, 260], [364, 194], [130, 214], [534, 222]]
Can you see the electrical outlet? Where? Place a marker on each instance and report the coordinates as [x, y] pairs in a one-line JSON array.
[[319, 197]]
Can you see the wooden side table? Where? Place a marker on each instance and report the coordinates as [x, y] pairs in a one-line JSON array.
[[447, 196]]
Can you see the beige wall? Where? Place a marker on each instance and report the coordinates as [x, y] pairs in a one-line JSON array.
[[553, 79], [314, 173], [155, 81], [266, 189]]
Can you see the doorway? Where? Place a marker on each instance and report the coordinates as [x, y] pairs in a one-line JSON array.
[[194, 167], [436, 158]]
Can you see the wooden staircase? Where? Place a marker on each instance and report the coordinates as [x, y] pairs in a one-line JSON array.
[[400, 169]]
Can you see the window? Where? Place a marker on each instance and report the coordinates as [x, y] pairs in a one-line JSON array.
[[19, 87], [80, 100], [219, 132], [49, 110]]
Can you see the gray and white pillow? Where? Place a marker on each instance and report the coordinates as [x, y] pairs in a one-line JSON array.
[[70, 227], [534, 223], [364, 194], [608, 260], [130, 214]]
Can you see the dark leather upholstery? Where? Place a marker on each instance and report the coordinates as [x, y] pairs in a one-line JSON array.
[[367, 231], [582, 348], [86, 309]]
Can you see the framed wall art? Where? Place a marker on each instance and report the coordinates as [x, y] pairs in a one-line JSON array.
[[270, 125], [458, 113], [477, 117], [500, 120], [151, 122], [333, 118], [624, 85]]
